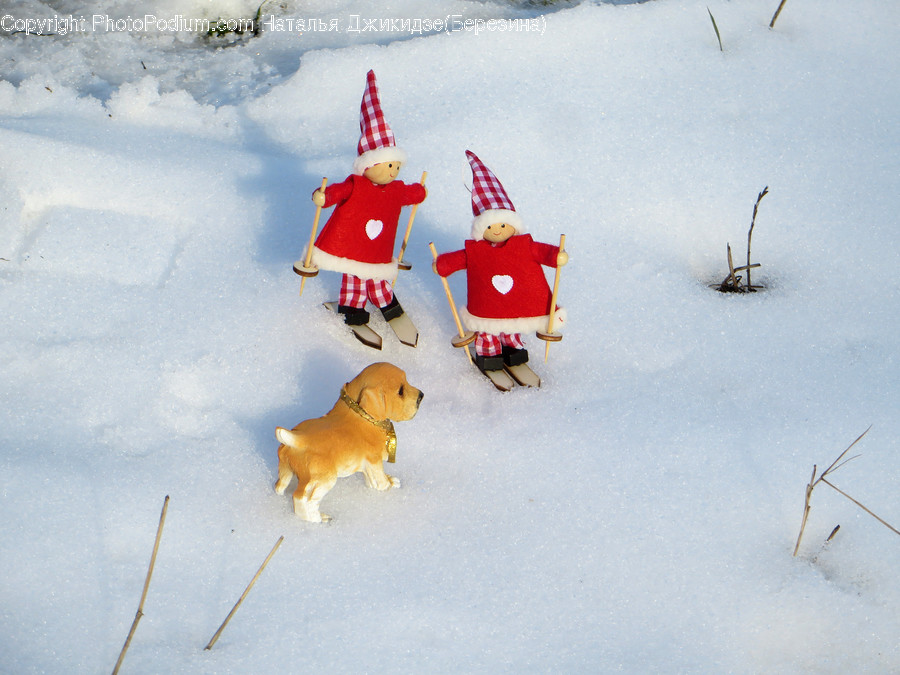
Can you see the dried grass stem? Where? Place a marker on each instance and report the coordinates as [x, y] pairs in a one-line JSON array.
[[813, 481], [244, 594], [140, 609]]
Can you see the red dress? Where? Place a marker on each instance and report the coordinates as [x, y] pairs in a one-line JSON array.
[[359, 236], [507, 291]]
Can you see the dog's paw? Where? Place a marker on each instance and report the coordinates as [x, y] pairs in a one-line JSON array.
[[325, 518], [395, 482]]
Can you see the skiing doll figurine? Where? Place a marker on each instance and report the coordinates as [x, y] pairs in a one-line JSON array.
[[358, 239], [507, 293]]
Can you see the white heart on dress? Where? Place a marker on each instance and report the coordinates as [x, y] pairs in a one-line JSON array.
[[373, 228], [502, 282]]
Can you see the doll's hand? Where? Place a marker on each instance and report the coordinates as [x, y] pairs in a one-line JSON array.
[[562, 258], [318, 198]]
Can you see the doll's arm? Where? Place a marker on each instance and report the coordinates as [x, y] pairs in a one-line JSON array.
[[548, 255], [448, 263], [336, 193], [414, 194]]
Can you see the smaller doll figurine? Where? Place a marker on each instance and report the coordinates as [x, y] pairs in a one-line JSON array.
[[358, 239], [507, 292]]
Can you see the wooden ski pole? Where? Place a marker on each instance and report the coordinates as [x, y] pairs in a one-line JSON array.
[[244, 594], [463, 340], [306, 270], [550, 335], [140, 609], [412, 215]]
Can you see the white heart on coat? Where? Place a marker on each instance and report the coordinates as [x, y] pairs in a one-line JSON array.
[[373, 228], [502, 282]]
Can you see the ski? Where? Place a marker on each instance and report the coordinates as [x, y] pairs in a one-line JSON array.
[[524, 375], [507, 378], [405, 330], [363, 332], [500, 379]]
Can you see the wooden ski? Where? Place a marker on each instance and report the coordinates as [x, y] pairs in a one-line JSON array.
[[405, 330], [524, 375], [363, 332], [500, 378]]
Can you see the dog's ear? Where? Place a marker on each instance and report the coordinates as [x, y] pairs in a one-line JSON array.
[[371, 399]]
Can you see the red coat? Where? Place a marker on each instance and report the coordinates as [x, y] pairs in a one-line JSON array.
[[359, 236], [507, 291]]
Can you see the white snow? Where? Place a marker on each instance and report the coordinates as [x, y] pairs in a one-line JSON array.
[[636, 514]]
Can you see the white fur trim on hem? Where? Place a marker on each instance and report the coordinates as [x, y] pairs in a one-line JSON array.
[[363, 270], [487, 218], [524, 324], [389, 153]]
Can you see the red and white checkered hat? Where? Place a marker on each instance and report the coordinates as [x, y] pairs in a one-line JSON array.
[[376, 140], [490, 203]]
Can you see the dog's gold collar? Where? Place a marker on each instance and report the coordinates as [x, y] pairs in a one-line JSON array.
[[390, 443]]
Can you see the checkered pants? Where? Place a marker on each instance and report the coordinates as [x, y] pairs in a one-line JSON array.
[[487, 344], [355, 291]]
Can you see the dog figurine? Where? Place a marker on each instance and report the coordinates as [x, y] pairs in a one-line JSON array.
[[356, 435]]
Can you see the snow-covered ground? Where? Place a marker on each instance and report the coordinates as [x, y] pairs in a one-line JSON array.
[[636, 514]]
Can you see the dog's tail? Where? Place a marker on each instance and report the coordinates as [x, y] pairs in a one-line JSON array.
[[284, 436]]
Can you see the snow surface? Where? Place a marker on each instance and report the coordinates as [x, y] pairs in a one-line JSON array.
[[636, 514]]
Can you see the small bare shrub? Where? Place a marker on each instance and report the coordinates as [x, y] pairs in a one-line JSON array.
[[733, 283]]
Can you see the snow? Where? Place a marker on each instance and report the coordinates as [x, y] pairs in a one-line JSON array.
[[636, 514]]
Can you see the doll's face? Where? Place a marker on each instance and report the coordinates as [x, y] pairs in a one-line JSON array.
[[499, 232], [383, 172]]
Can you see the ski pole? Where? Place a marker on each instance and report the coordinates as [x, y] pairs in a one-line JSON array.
[[412, 216], [550, 336], [463, 340], [306, 270]]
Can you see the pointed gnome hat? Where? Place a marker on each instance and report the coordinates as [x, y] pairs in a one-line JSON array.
[[490, 203], [376, 140]]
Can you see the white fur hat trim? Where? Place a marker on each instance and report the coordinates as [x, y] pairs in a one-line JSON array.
[[492, 216], [389, 153]]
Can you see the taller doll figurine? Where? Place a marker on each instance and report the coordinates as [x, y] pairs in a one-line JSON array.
[[507, 293], [358, 239]]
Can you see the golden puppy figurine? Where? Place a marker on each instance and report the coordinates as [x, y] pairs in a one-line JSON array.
[[356, 435]]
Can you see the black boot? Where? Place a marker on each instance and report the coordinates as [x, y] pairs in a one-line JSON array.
[[489, 362], [353, 316], [391, 310], [514, 357]]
